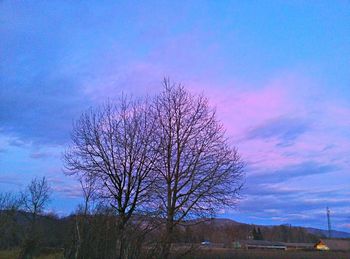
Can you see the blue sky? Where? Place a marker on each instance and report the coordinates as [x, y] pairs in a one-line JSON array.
[[276, 71]]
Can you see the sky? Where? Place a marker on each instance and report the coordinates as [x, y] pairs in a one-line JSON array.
[[277, 72]]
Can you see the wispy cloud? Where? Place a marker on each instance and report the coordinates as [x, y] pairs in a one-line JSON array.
[[39, 155], [293, 171], [286, 130]]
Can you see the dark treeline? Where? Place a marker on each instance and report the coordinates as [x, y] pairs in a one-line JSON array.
[[94, 235], [92, 231], [226, 232]]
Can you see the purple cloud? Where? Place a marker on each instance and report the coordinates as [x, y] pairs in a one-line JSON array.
[[286, 130]]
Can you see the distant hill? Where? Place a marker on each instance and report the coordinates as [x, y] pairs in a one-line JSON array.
[[220, 229], [314, 231], [324, 233]]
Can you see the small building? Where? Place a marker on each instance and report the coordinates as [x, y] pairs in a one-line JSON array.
[[333, 244], [262, 244]]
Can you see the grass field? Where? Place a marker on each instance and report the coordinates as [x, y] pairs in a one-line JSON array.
[[223, 253], [8, 254], [13, 254]]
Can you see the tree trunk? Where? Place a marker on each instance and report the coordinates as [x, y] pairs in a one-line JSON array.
[[78, 244], [121, 230], [168, 239]]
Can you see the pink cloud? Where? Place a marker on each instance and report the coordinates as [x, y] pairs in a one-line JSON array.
[[243, 107]]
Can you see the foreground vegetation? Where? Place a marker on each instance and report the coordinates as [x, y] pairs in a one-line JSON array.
[[223, 253], [217, 253], [14, 253]]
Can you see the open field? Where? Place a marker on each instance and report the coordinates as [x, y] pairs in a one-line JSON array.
[[8, 254], [226, 253], [12, 254], [223, 253]]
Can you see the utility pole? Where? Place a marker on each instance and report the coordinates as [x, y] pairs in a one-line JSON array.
[[329, 223]]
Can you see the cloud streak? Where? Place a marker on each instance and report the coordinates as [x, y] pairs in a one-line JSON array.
[[286, 130]]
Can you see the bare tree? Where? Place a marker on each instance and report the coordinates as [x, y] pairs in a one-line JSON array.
[[8, 201], [82, 229], [88, 187], [198, 171], [114, 145], [34, 199]]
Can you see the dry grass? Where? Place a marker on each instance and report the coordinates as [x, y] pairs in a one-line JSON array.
[[225, 253], [8, 254], [12, 254], [51, 256]]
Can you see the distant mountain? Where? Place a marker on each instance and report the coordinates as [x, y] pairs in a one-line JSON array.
[[324, 233]]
